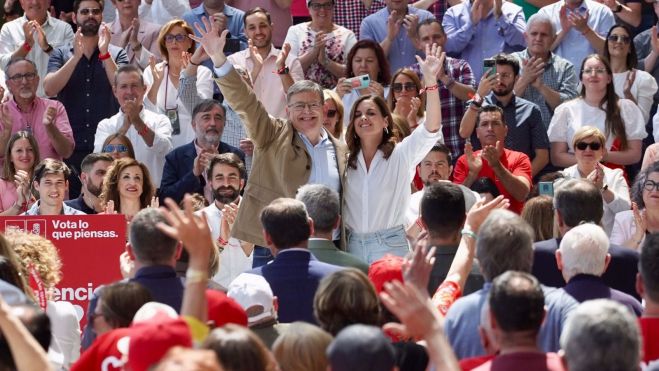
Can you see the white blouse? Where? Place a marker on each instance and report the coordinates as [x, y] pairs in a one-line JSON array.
[[572, 115], [618, 185], [168, 98], [377, 198], [624, 228], [642, 90]]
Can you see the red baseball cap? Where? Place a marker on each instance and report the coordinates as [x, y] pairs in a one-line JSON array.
[[222, 309], [386, 269]]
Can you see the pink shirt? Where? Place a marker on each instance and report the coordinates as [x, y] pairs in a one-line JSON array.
[[281, 18], [8, 196], [267, 84], [32, 121]]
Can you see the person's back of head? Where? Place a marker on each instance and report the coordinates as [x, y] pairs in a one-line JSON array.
[[38, 325], [120, 301], [238, 349], [539, 213], [577, 201], [443, 209], [601, 335], [323, 206], [648, 267], [584, 250], [505, 242], [361, 347], [343, 298], [301, 347], [255, 296], [517, 305], [150, 245], [286, 223]]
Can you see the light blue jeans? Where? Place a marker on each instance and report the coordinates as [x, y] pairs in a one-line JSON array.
[[370, 247]]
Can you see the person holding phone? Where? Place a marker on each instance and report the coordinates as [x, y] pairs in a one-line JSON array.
[[589, 150]]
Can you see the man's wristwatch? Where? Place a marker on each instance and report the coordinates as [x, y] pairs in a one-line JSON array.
[[477, 100], [618, 8], [48, 49]]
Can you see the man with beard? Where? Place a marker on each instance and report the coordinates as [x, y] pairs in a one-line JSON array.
[[261, 58], [33, 36], [94, 166], [148, 131], [526, 133], [45, 118], [184, 166], [226, 175], [509, 170], [81, 76]]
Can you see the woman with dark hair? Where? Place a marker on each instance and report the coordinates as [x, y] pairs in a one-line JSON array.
[[379, 171], [21, 157], [118, 146], [407, 98], [630, 227], [127, 188], [629, 83], [365, 58], [239, 349], [117, 306], [620, 120], [163, 79]]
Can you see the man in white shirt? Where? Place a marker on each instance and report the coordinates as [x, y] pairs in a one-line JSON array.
[[226, 174], [34, 36], [272, 70], [149, 132]]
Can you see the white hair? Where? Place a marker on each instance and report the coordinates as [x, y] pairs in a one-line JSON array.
[[584, 249]]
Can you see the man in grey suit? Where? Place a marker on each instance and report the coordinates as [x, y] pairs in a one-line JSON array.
[[323, 206]]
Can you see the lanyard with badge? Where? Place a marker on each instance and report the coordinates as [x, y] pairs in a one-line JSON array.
[[172, 113]]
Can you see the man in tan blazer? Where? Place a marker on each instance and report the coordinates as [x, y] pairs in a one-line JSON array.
[[289, 152]]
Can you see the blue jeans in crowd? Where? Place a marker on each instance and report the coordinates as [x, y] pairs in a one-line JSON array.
[[370, 247]]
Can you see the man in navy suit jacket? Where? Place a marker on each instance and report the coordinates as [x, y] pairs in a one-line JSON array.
[[295, 273], [577, 201], [185, 165]]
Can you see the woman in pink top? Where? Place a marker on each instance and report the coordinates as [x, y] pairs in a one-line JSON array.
[[21, 157]]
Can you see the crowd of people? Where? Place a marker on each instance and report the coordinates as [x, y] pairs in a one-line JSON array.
[[336, 184]]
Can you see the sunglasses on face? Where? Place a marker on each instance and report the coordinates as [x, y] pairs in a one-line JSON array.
[[331, 113], [87, 11], [583, 145], [408, 86], [619, 39], [115, 148], [169, 38]]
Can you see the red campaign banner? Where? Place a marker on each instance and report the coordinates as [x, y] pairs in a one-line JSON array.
[[89, 247]]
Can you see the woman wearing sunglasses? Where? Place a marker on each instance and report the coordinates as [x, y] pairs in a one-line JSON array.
[[629, 83], [406, 98], [589, 150], [163, 79], [630, 227], [118, 146], [21, 157], [619, 119], [333, 115]]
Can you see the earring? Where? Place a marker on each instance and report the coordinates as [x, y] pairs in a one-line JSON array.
[[386, 130]]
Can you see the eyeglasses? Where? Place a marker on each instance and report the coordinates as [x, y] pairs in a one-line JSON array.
[[93, 11], [651, 185], [619, 39], [300, 106], [408, 86], [317, 6], [18, 77], [115, 148], [597, 71], [581, 146], [492, 124], [331, 113], [169, 38]]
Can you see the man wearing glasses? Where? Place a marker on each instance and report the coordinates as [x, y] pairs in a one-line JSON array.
[[81, 77], [509, 170], [45, 119], [34, 36], [289, 152]]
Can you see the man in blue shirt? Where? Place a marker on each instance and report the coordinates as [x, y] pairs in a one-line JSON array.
[[226, 17], [395, 27]]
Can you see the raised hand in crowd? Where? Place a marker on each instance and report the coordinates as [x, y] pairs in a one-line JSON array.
[[247, 146], [134, 31], [23, 187], [155, 202], [627, 87], [42, 40], [104, 36], [6, 120], [566, 25], [487, 83], [411, 22], [78, 47], [28, 32], [497, 8], [257, 59], [49, 116], [579, 21], [126, 265], [393, 25], [229, 212], [417, 266], [202, 160], [220, 20], [211, 40]]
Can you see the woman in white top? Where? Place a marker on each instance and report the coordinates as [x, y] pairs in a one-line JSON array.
[[365, 58], [620, 120], [321, 45], [379, 171], [163, 79], [630, 227], [589, 150], [629, 83], [407, 98]]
